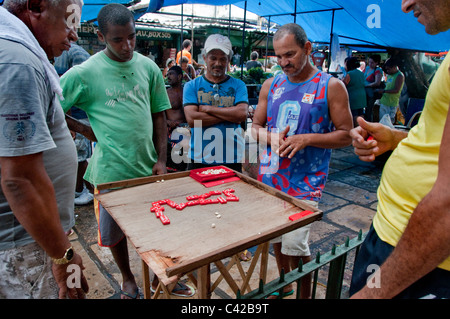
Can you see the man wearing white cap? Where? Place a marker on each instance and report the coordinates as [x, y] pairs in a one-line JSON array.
[[215, 104]]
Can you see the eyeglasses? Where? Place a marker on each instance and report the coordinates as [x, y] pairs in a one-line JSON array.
[[216, 88]]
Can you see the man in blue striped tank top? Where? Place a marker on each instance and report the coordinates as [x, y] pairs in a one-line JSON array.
[[302, 114]]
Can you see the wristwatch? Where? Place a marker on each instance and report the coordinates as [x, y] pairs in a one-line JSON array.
[[68, 255]]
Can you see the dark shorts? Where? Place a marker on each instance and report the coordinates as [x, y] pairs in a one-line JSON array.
[[374, 251]]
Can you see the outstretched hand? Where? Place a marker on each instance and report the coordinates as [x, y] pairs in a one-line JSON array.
[[371, 139], [292, 144]]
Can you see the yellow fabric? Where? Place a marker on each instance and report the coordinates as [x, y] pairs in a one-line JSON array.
[[412, 168]]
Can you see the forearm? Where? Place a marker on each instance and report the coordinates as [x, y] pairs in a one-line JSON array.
[[397, 137], [160, 135], [335, 139], [171, 124], [263, 136], [260, 133], [204, 118], [394, 90], [234, 114], [83, 129]]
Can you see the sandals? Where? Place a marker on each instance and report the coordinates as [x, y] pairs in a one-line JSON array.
[[178, 287], [137, 295], [244, 255], [285, 294]]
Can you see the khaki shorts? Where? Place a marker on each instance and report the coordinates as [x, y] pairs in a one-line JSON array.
[[295, 243]]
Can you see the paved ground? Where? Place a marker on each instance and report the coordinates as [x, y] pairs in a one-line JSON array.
[[349, 203]]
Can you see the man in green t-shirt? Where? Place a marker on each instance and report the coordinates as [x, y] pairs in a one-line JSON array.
[[124, 96]]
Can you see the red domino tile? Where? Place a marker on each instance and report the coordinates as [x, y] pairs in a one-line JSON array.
[[164, 219], [162, 201], [156, 208], [222, 200], [300, 215], [171, 203], [181, 206], [193, 202]]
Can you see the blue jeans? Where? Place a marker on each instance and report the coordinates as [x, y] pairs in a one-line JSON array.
[[374, 251]]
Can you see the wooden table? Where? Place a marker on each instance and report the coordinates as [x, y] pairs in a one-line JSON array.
[[190, 242]]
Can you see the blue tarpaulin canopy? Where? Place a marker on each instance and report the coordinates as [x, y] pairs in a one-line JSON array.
[[356, 22], [92, 7]]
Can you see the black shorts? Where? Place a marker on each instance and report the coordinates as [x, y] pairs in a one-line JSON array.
[[374, 252]]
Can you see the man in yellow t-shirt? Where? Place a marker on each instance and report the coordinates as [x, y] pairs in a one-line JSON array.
[[406, 253]]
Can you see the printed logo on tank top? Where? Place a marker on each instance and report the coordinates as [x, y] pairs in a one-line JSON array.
[[308, 98], [278, 93], [288, 114]]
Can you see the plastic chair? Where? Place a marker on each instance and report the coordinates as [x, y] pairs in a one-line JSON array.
[[413, 112]]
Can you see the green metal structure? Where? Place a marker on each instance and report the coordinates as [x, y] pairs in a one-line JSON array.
[[336, 258]]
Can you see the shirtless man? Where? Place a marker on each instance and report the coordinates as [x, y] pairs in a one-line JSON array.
[[175, 115], [176, 121]]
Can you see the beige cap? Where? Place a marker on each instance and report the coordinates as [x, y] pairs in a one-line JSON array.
[[220, 42]]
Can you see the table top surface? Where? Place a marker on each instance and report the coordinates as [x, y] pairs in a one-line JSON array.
[[196, 235]]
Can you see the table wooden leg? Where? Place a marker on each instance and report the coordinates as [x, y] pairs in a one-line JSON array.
[[246, 278], [264, 262], [226, 275], [220, 278], [146, 280], [204, 282]]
